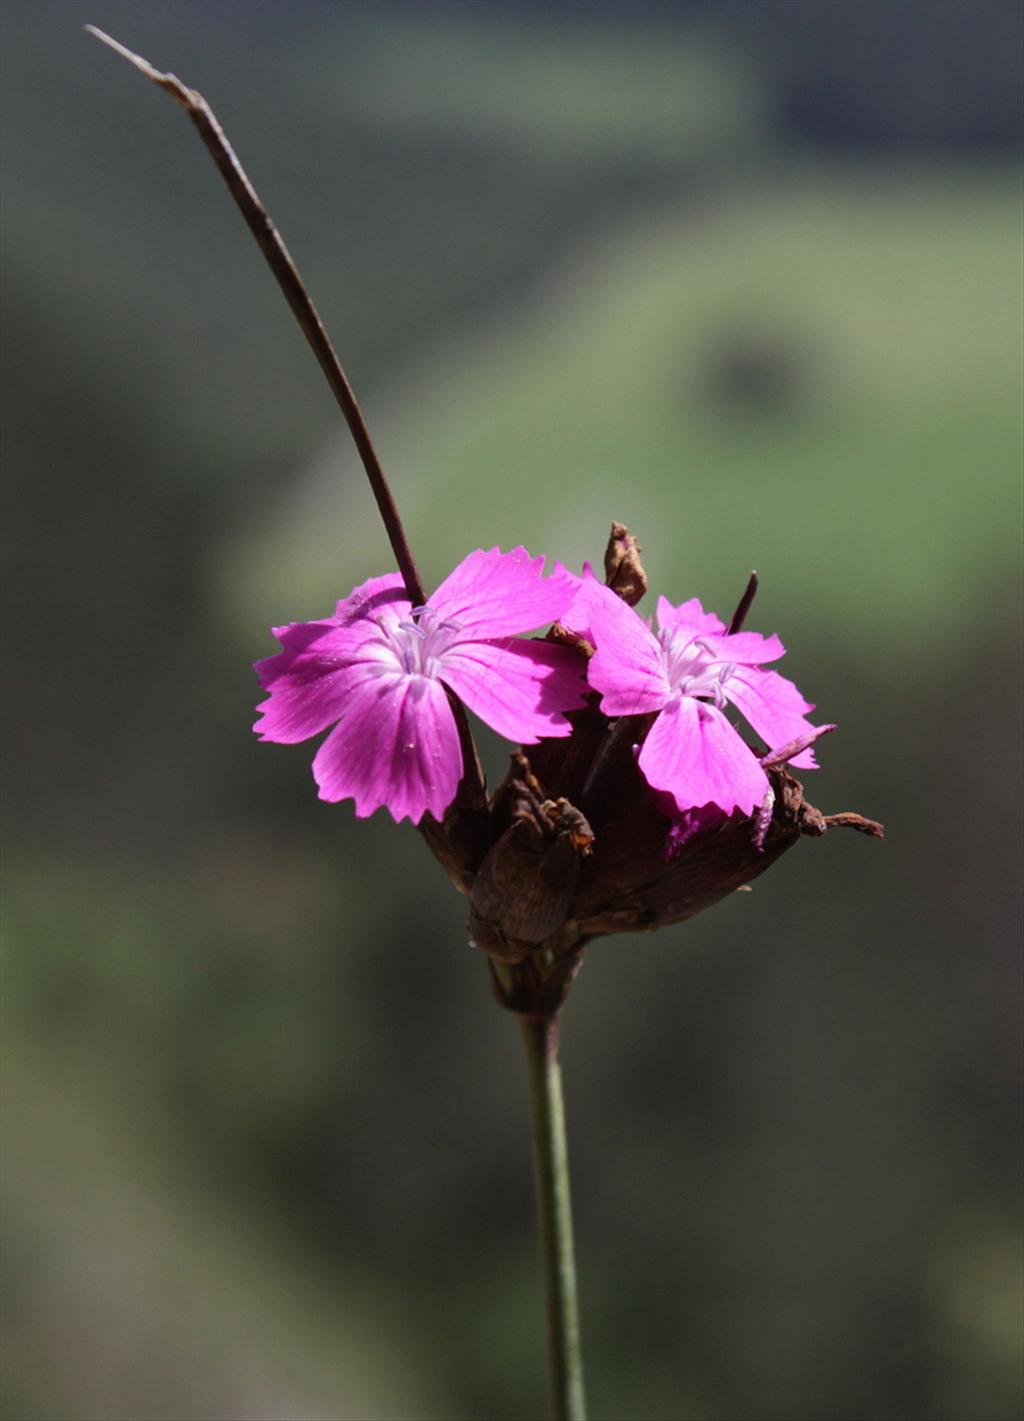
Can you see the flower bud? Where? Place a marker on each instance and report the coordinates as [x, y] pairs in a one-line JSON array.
[[623, 570]]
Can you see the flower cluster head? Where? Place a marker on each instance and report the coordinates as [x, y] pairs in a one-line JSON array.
[[635, 800]]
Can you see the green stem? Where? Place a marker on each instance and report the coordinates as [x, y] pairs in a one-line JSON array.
[[554, 1210]]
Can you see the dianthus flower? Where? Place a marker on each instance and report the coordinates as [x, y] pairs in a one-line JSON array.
[[686, 674], [381, 669]]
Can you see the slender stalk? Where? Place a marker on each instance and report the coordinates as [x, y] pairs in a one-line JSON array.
[[554, 1210], [278, 258]]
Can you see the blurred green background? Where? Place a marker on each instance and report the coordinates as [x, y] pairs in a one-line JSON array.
[[745, 275]]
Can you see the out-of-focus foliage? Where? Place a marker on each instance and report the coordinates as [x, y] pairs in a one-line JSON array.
[[733, 274]]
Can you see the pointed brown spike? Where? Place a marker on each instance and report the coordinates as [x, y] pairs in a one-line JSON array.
[[743, 606], [849, 820]]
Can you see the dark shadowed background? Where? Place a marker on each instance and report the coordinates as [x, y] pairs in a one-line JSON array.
[[744, 275]]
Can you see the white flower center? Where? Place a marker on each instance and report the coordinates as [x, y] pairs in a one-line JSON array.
[[692, 668], [420, 641]]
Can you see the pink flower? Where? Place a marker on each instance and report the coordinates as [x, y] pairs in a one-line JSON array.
[[687, 674], [382, 670]]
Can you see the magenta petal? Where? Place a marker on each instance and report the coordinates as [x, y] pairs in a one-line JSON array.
[[298, 708], [577, 615], [790, 752], [806, 760], [310, 680], [694, 753], [747, 648], [688, 616], [494, 594], [627, 667], [518, 688], [296, 638], [377, 597], [396, 747], [774, 707]]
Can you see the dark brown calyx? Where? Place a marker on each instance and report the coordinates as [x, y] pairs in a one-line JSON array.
[[525, 885], [459, 841]]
